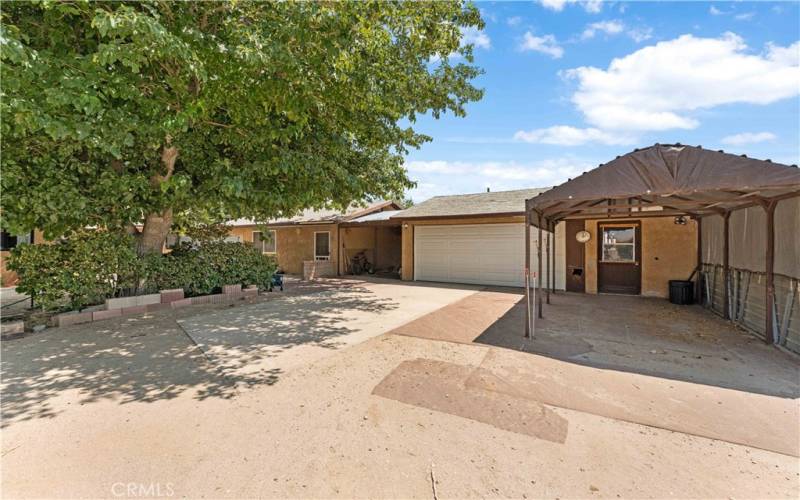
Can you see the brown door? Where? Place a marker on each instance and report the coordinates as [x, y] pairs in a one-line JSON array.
[[575, 257], [619, 257]]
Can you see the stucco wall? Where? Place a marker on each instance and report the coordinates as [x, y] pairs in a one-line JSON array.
[[294, 244], [382, 245], [669, 251]]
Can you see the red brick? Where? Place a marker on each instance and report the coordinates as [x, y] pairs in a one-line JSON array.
[[156, 307], [134, 310], [172, 295], [228, 289], [73, 318], [111, 313], [180, 303], [202, 299]]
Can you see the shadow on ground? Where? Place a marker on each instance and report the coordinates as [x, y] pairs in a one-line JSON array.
[[151, 358]]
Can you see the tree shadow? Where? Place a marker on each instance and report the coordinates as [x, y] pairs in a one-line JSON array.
[[148, 359]]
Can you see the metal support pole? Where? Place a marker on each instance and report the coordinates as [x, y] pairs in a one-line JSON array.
[[527, 273], [725, 268], [547, 249], [698, 289], [539, 274], [553, 259], [770, 269]]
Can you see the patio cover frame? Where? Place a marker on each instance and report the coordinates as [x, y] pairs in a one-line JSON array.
[[668, 180]]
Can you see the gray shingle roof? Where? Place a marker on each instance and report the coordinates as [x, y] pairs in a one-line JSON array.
[[498, 202], [317, 216]]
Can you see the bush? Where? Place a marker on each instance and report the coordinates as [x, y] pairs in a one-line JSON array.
[[78, 271], [204, 269], [91, 266]]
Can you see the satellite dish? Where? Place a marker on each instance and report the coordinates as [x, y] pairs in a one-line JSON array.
[[583, 236]]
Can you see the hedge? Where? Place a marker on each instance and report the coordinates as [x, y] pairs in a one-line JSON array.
[[90, 266]]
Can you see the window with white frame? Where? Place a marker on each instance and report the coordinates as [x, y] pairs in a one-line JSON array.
[[322, 245], [267, 243]]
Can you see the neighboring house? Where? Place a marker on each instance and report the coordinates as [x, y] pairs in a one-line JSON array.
[[324, 240]]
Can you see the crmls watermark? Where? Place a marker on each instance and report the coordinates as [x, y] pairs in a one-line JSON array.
[[149, 490]]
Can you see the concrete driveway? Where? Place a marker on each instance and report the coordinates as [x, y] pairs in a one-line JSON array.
[[262, 339], [329, 407]]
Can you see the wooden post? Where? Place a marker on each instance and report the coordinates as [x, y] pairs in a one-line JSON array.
[[769, 207], [539, 274], [725, 269], [527, 268]]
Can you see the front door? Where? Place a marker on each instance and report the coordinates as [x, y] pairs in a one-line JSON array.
[[619, 257]]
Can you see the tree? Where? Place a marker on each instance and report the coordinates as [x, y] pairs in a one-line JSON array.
[[155, 112]]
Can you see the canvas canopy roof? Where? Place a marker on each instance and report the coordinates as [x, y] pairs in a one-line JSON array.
[[667, 180]]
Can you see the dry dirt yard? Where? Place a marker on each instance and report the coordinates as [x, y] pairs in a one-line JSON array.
[[386, 390]]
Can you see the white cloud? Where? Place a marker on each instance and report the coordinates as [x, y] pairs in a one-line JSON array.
[[563, 135], [479, 38], [546, 44], [714, 11], [639, 35], [748, 138], [513, 21], [593, 6], [657, 87], [612, 27], [436, 177], [745, 16]]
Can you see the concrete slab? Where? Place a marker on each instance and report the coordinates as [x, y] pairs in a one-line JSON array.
[[295, 330]]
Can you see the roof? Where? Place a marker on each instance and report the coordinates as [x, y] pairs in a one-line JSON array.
[[672, 178], [323, 216], [491, 203], [376, 217]]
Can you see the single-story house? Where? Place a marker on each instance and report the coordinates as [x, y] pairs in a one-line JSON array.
[[322, 242]]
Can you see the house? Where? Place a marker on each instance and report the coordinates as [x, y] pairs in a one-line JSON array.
[[322, 242], [473, 238], [8, 242]]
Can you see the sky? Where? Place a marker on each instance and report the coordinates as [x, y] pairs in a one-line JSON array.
[[570, 85]]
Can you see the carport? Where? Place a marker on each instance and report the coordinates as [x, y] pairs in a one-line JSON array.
[[378, 237], [747, 213]]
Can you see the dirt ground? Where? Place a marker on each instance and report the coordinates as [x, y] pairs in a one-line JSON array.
[[136, 408]]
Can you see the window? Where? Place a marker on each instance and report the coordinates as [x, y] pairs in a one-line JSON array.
[[9, 241], [322, 246], [619, 244], [268, 243]]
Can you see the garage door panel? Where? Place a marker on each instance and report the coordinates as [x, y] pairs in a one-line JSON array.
[[490, 254]]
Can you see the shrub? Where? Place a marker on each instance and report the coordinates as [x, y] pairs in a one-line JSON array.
[[203, 269], [78, 271]]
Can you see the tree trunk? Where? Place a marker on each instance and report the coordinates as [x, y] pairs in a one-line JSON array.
[[158, 224], [154, 233]]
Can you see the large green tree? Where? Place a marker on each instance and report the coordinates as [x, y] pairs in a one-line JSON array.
[[158, 112]]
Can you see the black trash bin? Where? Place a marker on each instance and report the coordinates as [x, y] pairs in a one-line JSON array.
[[681, 292]]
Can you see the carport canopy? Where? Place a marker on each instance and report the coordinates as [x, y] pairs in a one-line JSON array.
[[666, 180]]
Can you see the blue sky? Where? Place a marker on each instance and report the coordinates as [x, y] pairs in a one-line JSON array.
[[569, 85]]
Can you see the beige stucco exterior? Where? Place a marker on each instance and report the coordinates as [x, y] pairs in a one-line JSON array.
[[380, 243], [294, 244], [408, 235], [669, 251]]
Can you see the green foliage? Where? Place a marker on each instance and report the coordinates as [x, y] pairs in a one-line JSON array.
[[78, 271], [90, 266], [273, 106], [206, 268]]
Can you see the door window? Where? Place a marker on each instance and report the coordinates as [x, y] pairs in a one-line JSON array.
[[619, 244]]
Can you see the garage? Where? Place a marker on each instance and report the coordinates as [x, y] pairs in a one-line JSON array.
[[483, 254]]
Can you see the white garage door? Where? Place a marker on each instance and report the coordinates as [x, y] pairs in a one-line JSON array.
[[483, 254]]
